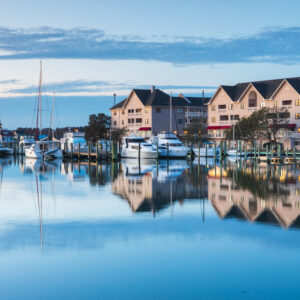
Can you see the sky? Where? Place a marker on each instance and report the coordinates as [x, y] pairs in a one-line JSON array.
[[92, 49]]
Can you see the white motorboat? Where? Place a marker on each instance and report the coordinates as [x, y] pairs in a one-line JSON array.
[[5, 150], [76, 139], [169, 145], [234, 152], [208, 151], [35, 151], [137, 147], [25, 143]]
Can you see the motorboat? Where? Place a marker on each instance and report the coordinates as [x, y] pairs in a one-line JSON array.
[[169, 145], [137, 147], [209, 151], [5, 150], [76, 139], [234, 152], [25, 143]]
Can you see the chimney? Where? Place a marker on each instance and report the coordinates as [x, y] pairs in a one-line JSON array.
[[152, 89]]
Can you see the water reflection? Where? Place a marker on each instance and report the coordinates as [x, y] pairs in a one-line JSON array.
[[153, 186], [268, 195]]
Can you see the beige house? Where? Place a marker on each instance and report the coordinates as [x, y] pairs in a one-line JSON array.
[[231, 103], [147, 111]]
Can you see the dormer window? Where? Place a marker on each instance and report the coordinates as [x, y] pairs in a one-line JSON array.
[[252, 100]]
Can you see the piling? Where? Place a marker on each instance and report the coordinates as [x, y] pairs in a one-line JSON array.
[[97, 151], [167, 150], [79, 152], [198, 154], [72, 151], [157, 149], [89, 151], [139, 154]]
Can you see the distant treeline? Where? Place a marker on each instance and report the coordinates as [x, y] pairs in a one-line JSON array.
[[58, 132]]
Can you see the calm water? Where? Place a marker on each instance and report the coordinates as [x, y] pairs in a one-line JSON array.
[[155, 231]]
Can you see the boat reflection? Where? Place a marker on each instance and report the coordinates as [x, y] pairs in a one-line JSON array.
[[151, 187], [267, 195]]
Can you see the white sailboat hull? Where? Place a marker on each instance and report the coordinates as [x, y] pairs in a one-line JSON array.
[[32, 153], [53, 154]]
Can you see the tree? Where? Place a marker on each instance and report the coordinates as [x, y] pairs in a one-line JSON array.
[[195, 131], [98, 127], [118, 134], [266, 123], [272, 121]]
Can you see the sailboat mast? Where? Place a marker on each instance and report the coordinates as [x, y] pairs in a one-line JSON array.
[[170, 111], [40, 95], [39, 107], [53, 112]]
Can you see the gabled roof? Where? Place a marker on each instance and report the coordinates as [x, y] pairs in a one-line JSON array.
[[119, 105], [266, 87], [160, 98]]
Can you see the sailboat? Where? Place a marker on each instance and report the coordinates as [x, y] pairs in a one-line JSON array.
[[54, 152], [36, 150]]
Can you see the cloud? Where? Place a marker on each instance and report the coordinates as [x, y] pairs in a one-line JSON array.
[[95, 86], [277, 45]]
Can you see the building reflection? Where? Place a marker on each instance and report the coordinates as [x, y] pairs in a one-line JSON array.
[[248, 192], [153, 186]]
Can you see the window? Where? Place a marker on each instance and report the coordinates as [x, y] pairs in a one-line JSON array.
[[213, 108], [275, 103], [284, 115], [138, 110], [158, 110], [230, 106], [263, 104], [115, 113], [198, 110], [147, 121], [115, 123], [122, 122], [130, 121], [224, 118], [213, 119], [286, 102], [130, 111], [252, 100], [243, 106], [192, 109], [234, 117], [180, 121], [146, 111], [222, 106], [123, 112], [297, 116], [180, 110], [297, 102], [139, 120]]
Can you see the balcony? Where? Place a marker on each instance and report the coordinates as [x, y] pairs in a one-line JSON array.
[[252, 109]]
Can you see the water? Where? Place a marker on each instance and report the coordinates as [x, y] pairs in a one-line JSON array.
[[155, 231]]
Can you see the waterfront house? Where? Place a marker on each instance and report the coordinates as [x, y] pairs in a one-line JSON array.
[[231, 103], [147, 111]]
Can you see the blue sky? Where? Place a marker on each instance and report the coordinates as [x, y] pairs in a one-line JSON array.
[[92, 49]]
